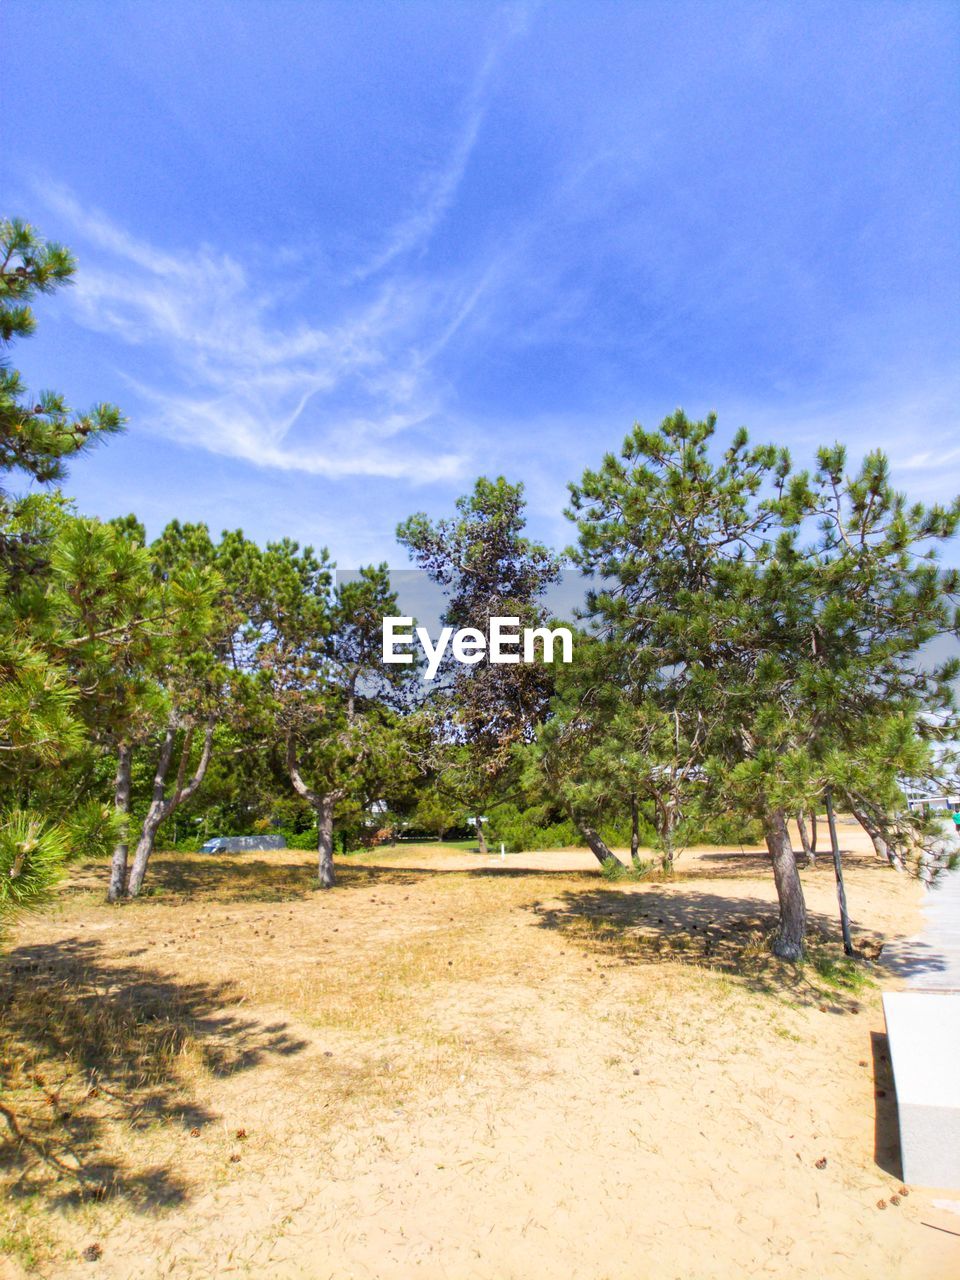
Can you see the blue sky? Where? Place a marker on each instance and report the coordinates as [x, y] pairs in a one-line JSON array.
[[338, 259]]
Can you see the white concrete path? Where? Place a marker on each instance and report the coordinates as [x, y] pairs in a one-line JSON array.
[[931, 960], [923, 1031]]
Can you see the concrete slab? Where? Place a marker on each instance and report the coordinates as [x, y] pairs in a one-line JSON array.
[[923, 1031]]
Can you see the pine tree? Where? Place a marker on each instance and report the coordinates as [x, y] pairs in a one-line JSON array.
[[777, 615], [41, 727], [38, 433], [487, 568], [334, 711]]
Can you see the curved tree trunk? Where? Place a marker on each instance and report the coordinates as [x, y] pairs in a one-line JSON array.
[[805, 841], [323, 804], [161, 806], [882, 848], [595, 841], [481, 838], [121, 802], [793, 912], [154, 817]]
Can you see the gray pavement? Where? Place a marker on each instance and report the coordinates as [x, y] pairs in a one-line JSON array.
[[931, 960]]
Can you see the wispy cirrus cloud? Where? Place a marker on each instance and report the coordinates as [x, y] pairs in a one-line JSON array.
[[345, 397], [438, 189], [353, 395]]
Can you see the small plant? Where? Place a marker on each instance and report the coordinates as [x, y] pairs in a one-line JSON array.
[[32, 853], [842, 973], [614, 870]]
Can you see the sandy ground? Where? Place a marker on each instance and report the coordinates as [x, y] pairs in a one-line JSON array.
[[461, 1068]]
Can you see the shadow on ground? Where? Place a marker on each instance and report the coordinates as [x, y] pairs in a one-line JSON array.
[[886, 1133], [226, 880], [237, 878], [751, 864], [87, 1044], [719, 933]]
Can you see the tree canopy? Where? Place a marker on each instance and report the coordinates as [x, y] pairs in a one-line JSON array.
[[752, 645]]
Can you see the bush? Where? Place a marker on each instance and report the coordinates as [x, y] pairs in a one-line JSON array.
[[32, 854], [613, 869], [529, 829], [302, 839]]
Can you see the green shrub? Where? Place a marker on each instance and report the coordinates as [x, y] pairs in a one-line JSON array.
[[529, 829], [613, 869], [32, 854], [303, 839]]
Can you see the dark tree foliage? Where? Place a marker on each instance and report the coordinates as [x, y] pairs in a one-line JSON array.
[[38, 432], [487, 568], [775, 614]]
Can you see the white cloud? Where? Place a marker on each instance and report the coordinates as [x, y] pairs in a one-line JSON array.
[[438, 190], [354, 396]]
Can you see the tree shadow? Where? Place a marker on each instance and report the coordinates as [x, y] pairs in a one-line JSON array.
[[229, 881], [917, 960], [93, 1053], [708, 931], [751, 864]]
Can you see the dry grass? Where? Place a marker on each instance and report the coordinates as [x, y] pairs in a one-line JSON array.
[[238, 1024]]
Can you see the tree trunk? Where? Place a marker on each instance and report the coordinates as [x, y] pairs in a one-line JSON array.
[[666, 821], [323, 803], [668, 852], [481, 838], [634, 831], [813, 832], [595, 841], [121, 802], [808, 852], [838, 871], [325, 869], [883, 850], [154, 816], [793, 912], [162, 807]]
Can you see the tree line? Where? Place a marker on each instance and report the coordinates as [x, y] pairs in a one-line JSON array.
[[751, 647]]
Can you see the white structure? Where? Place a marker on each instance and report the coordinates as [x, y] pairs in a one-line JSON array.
[[923, 1030], [948, 801]]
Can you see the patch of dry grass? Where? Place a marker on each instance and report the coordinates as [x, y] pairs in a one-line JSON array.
[[94, 1054]]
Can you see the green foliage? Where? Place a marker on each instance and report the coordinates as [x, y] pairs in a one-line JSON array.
[[92, 829], [437, 813], [32, 853], [615, 871], [529, 828], [487, 568], [302, 839], [37, 704], [37, 432]]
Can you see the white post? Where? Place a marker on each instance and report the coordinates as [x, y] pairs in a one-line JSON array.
[[503, 852]]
